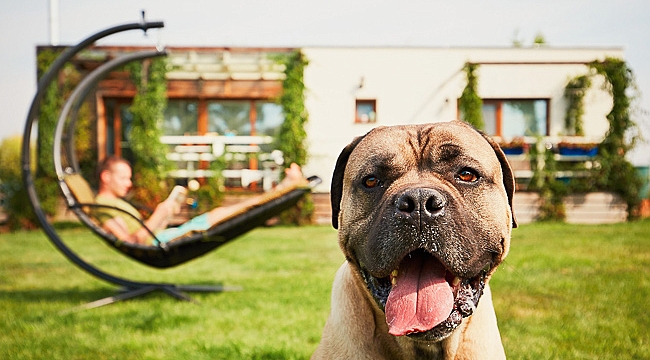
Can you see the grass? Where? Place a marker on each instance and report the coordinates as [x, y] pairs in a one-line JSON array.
[[576, 292], [565, 292]]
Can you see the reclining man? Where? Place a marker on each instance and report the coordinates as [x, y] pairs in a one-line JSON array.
[[115, 182]]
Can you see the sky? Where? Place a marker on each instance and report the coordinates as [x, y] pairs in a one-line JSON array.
[[24, 24]]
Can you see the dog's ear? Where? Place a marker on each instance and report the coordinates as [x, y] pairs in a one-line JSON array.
[[508, 177], [336, 192]]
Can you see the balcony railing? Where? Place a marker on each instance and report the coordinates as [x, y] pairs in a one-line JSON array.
[[576, 154], [188, 152]]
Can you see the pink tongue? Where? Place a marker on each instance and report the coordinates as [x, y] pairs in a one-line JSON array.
[[421, 299]]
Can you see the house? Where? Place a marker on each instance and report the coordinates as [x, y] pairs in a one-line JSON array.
[[522, 91], [221, 101], [352, 90]]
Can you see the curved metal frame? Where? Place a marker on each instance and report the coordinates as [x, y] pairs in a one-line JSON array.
[[134, 288]]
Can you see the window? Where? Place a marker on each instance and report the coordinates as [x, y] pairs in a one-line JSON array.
[[229, 117], [366, 111], [181, 118], [270, 117], [232, 117], [119, 122], [224, 117], [195, 117], [517, 117]]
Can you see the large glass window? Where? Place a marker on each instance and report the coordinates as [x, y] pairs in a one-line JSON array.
[[181, 118], [269, 118], [119, 123], [195, 117], [126, 118], [512, 118], [229, 117]]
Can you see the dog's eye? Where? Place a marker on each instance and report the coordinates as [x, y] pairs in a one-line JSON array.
[[371, 182], [467, 175]]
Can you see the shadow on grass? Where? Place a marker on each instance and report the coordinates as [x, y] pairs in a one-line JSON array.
[[70, 295], [75, 296]]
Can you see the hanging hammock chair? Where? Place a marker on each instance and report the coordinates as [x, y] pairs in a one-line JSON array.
[[80, 198], [189, 246]]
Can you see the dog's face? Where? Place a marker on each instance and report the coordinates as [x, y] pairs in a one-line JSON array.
[[424, 216]]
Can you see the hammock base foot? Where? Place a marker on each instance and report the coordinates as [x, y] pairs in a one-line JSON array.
[[176, 291]]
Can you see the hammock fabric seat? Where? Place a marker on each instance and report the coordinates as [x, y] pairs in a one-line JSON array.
[[80, 199]]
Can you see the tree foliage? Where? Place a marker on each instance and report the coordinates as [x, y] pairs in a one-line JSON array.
[[13, 193]]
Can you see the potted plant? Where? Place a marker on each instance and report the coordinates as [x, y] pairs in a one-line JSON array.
[[517, 146], [577, 149]]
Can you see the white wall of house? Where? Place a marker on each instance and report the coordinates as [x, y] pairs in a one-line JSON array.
[[420, 85]]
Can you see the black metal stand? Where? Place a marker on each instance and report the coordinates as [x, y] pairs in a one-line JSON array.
[[176, 291], [132, 288]]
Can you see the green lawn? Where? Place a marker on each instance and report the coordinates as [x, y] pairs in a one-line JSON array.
[[565, 292]]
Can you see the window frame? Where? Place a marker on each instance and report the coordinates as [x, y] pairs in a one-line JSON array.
[[498, 102], [372, 103]]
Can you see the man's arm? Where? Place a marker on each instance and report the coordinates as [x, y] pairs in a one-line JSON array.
[[158, 220]]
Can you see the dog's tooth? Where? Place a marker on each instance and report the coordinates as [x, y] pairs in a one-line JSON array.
[[393, 277], [456, 281]]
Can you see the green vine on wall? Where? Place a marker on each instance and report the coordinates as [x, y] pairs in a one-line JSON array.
[[291, 140], [45, 181], [551, 191], [616, 173], [292, 137], [470, 103], [150, 164], [612, 172], [52, 102], [574, 93]]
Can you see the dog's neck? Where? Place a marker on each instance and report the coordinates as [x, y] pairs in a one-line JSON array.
[[411, 349]]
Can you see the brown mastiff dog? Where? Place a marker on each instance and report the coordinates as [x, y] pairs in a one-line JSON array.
[[424, 214]]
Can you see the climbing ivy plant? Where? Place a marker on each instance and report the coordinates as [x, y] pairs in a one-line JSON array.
[[612, 171], [616, 173], [45, 179], [574, 93], [51, 104], [550, 190], [291, 140], [150, 165], [292, 137], [470, 103]]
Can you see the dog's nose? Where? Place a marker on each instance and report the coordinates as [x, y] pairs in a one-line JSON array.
[[422, 202]]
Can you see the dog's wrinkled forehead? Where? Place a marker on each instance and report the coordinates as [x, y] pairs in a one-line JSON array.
[[423, 146]]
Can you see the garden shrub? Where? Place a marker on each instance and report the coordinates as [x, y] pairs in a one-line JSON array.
[[15, 199]]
